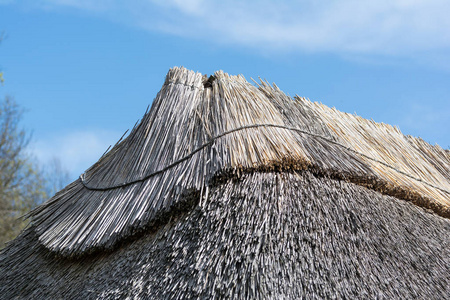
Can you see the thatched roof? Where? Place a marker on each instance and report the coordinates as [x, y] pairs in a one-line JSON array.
[[227, 189]]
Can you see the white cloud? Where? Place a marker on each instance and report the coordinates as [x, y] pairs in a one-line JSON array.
[[77, 151], [387, 27], [380, 27]]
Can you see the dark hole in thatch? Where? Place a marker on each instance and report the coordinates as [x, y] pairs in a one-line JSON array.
[[209, 81]]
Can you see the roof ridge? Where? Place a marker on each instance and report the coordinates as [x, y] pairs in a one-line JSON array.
[[193, 133]]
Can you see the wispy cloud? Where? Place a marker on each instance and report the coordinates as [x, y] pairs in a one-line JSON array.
[[386, 27], [77, 150]]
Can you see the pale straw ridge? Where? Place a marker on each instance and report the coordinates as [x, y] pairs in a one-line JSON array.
[[194, 135], [426, 165]]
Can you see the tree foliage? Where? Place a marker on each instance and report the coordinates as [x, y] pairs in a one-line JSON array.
[[22, 186]]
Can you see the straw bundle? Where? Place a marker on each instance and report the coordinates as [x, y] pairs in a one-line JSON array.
[[268, 235], [226, 190], [194, 133]]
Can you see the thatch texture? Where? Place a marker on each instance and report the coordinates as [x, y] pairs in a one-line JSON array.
[[263, 236], [193, 133], [226, 189]]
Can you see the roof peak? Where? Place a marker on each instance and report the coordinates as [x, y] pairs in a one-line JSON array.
[[192, 133]]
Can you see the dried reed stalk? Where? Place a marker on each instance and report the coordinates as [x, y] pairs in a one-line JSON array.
[[194, 134]]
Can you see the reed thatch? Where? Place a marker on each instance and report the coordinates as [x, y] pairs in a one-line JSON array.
[[230, 190]]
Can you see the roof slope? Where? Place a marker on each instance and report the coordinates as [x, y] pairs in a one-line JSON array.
[[267, 235], [198, 131]]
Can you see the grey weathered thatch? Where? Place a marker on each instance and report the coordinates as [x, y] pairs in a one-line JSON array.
[[230, 190]]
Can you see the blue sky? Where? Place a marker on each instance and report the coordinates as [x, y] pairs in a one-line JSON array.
[[86, 70]]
